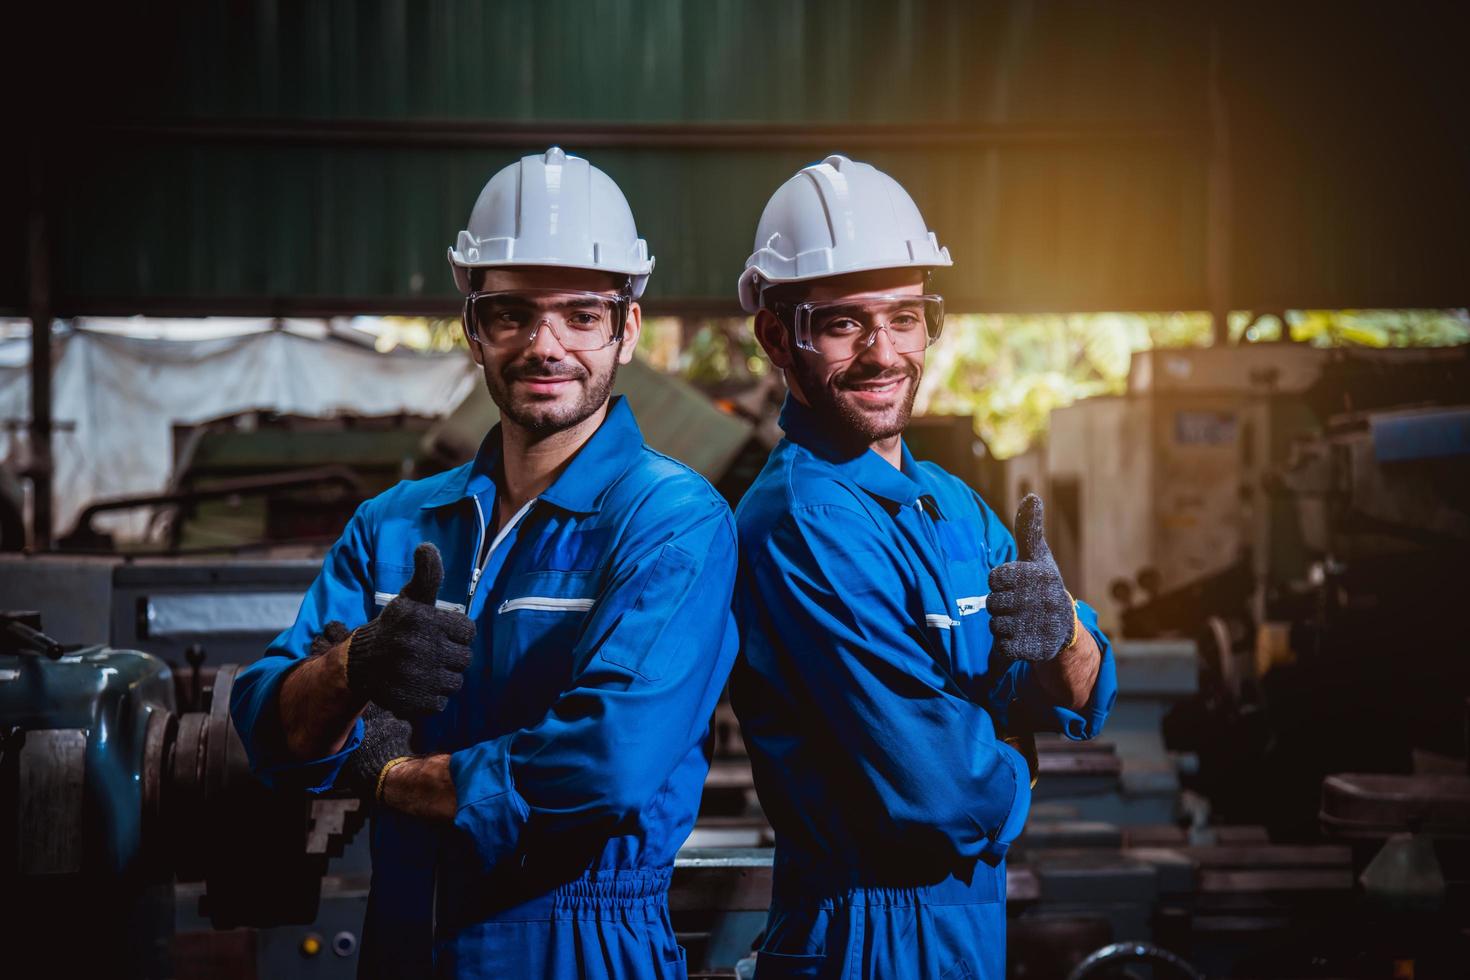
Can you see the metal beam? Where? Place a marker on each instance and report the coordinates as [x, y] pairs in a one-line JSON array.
[[456, 134]]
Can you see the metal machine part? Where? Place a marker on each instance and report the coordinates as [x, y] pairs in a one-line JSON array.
[[1109, 957], [111, 796], [85, 537]]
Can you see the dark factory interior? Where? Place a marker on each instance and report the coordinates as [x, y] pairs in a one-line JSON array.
[[1203, 274]]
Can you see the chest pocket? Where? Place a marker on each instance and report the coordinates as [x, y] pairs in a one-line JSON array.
[[966, 631], [533, 632], [543, 612]]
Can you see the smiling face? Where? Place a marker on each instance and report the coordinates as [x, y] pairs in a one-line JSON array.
[[541, 386], [867, 397]]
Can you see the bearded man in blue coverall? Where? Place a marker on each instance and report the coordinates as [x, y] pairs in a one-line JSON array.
[[893, 632], [517, 660]]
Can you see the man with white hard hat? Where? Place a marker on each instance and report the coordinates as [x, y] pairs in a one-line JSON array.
[[893, 633], [516, 661]]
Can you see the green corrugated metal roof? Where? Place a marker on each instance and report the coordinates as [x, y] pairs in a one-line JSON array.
[[364, 224], [319, 156], [324, 154], [686, 61]]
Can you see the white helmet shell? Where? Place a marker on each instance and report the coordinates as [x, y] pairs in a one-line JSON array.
[[552, 209], [836, 217]]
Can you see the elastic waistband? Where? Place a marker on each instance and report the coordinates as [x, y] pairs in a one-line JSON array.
[[594, 894], [799, 884], [615, 886]]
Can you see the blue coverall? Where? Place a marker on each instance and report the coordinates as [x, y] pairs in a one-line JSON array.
[[870, 704], [603, 639]]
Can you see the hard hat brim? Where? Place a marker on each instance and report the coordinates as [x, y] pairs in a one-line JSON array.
[[751, 280], [638, 275]]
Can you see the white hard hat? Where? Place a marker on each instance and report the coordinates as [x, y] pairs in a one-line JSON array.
[[832, 218], [552, 209]]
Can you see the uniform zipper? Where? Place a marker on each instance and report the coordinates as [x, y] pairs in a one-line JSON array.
[[482, 557], [479, 547], [545, 604]]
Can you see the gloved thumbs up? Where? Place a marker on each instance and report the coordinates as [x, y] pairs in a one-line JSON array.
[[412, 658], [1031, 530], [1031, 614], [428, 574]]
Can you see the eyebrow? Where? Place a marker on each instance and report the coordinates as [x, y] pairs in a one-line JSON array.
[[520, 302], [851, 308]]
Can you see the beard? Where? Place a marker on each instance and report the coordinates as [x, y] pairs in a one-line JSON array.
[[831, 399], [541, 416]]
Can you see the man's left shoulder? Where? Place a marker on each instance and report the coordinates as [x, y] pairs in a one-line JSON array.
[[657, 482]]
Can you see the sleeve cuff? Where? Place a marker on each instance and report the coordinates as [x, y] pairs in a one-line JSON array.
[[255, 708], [489, 812], [1037, 713]]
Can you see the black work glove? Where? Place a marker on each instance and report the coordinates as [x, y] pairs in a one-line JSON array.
[[413, 656], [332, 634], [1031, 614], [385, 737]]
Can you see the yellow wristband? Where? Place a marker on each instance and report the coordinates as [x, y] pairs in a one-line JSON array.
[[1076, 626], [383, 773]]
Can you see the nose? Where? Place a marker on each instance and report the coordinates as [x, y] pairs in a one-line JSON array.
[[880, 348], [544, 342]]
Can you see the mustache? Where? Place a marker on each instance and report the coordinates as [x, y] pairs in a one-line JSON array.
[[542, 371], [900, 373]]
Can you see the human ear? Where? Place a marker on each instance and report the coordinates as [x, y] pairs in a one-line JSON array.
[[774, 339], [632, 328]]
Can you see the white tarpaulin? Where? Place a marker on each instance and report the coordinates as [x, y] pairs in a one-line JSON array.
[[116, 393]]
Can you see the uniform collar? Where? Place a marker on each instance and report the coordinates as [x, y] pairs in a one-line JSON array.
[[864, 467], [601, 460]]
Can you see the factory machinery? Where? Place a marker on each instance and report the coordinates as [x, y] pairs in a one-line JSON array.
[[134, 812], [1303, 516], [118, 795], [130, 807]]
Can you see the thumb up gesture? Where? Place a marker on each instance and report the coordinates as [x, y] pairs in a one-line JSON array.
[[1031, 614], [412, 658]]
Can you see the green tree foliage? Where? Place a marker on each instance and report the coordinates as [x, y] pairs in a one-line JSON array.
[[1371, 328], [707, 351], [1011, 370]]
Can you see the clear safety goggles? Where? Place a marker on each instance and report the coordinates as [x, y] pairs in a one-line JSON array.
[[580, 321], [842, 329]]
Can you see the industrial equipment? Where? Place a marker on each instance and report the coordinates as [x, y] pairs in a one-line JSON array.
[[258, 478], [116, 795]]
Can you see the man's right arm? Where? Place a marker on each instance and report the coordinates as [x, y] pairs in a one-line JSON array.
[[292, 711], [318, 710]]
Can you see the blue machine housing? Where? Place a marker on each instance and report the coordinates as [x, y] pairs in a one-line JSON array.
[[108, 697]]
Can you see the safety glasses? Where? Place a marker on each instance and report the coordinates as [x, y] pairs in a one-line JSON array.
[[842, 329], [580, 321]]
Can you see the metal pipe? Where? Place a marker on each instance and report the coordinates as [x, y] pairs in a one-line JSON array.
[[1220, 206], [38, 246]]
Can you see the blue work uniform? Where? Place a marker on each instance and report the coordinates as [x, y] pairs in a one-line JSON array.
[[603, 639], [870, 703]]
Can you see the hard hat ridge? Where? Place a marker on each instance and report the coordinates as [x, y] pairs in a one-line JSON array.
[[832, 218], [552, 209]]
